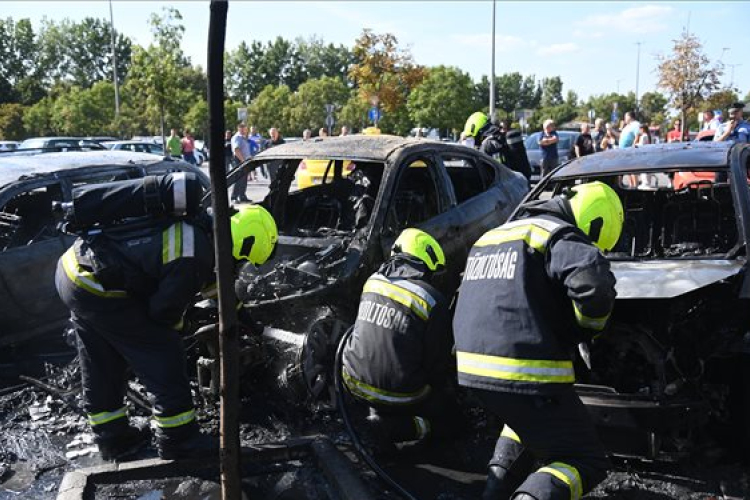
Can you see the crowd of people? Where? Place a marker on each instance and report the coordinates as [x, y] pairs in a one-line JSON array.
[[182, 147]]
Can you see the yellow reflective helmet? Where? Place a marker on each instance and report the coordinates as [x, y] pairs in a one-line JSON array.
[[598, 212], [475, 123], [254, 234], [421, 245]]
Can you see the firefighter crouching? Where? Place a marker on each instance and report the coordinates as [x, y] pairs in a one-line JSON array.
[[532, 290], [127, 293], [398, 358]]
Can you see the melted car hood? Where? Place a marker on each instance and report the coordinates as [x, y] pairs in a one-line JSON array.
[[665, 280]]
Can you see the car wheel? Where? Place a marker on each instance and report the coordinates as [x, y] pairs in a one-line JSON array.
[[318, 353]]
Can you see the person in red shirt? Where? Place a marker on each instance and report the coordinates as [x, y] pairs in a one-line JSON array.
[[675, 135], [188, 147]]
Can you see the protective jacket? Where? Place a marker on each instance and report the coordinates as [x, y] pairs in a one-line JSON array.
[[401, 339], [162, 267], [532, 290]]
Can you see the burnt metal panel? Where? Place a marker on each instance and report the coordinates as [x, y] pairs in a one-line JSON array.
[[667, 279], [351, 147], [688, 155], [14, 167]]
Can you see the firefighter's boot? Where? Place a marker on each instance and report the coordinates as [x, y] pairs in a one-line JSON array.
[[118, 440], [185, 441], [499, 486]]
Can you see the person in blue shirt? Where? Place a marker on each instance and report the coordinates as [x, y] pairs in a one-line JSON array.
[[548, 142], [630, 131], [736, 129]]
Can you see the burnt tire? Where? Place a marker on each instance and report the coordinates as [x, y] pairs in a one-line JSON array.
[[318, 354]]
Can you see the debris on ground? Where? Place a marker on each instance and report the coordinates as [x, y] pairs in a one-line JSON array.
[[43, 438]]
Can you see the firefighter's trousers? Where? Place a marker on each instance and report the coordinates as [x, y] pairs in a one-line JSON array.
[[110, 341], [555, 431]]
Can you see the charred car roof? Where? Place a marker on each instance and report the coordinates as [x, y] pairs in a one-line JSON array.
[[690, 155], [353, 147], [14, 167]]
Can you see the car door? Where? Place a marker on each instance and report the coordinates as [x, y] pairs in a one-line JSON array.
[[418, 197], [29, 250]]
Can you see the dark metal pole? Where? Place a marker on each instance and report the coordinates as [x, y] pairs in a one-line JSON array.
[[228, 334], [114, 60], [492, 76]]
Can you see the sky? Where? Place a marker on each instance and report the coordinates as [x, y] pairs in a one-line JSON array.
[[591, 45]]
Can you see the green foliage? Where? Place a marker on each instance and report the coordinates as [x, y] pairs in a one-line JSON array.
[[722, 100], [18, 53], [307, 105], [551, 92], [354, 113], [443, 100], [271, 109], [11, 121], [85, 112], [37, 120], [196, 119], [653, 107], [603, 104]]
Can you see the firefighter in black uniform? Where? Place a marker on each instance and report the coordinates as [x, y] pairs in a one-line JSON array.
[[398, 359], [495, 140], [532, 290], [132, 317]]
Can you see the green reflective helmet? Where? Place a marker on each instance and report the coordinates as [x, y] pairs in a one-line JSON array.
[[598, 213], [254, 234], [475, 123], [421, 245]]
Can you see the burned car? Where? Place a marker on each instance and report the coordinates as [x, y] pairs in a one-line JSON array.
[[30, 243], [335, 234], [671, 375]]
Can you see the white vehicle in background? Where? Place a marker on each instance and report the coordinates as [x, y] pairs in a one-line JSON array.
[[8, 146]]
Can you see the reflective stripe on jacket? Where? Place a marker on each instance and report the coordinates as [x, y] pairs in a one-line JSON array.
[[532, 289], [163, 267], [400, 342]]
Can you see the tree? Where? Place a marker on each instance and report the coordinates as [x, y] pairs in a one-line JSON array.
[[443, 100], [653, 107], [604, 104], [687, 75], [723, 99], [244, 81], [18, 53], [85, 111], [11, 121], [354, 113], [271, 108], [82, 52], [196, 119], [384, 70], [551, 92], [37, 120], [319, 59], [154, 87], [307, 105]]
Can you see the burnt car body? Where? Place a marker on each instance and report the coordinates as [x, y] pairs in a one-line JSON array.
[[30, 243], [671, 374], [334, 235]]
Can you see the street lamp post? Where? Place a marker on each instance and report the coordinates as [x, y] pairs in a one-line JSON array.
[[618, 85], [637, 73], [114, 61], [492, 78]]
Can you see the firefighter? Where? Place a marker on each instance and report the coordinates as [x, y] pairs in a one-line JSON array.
[[495, 140], [532, 290], [128, 292], [397, 359]]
